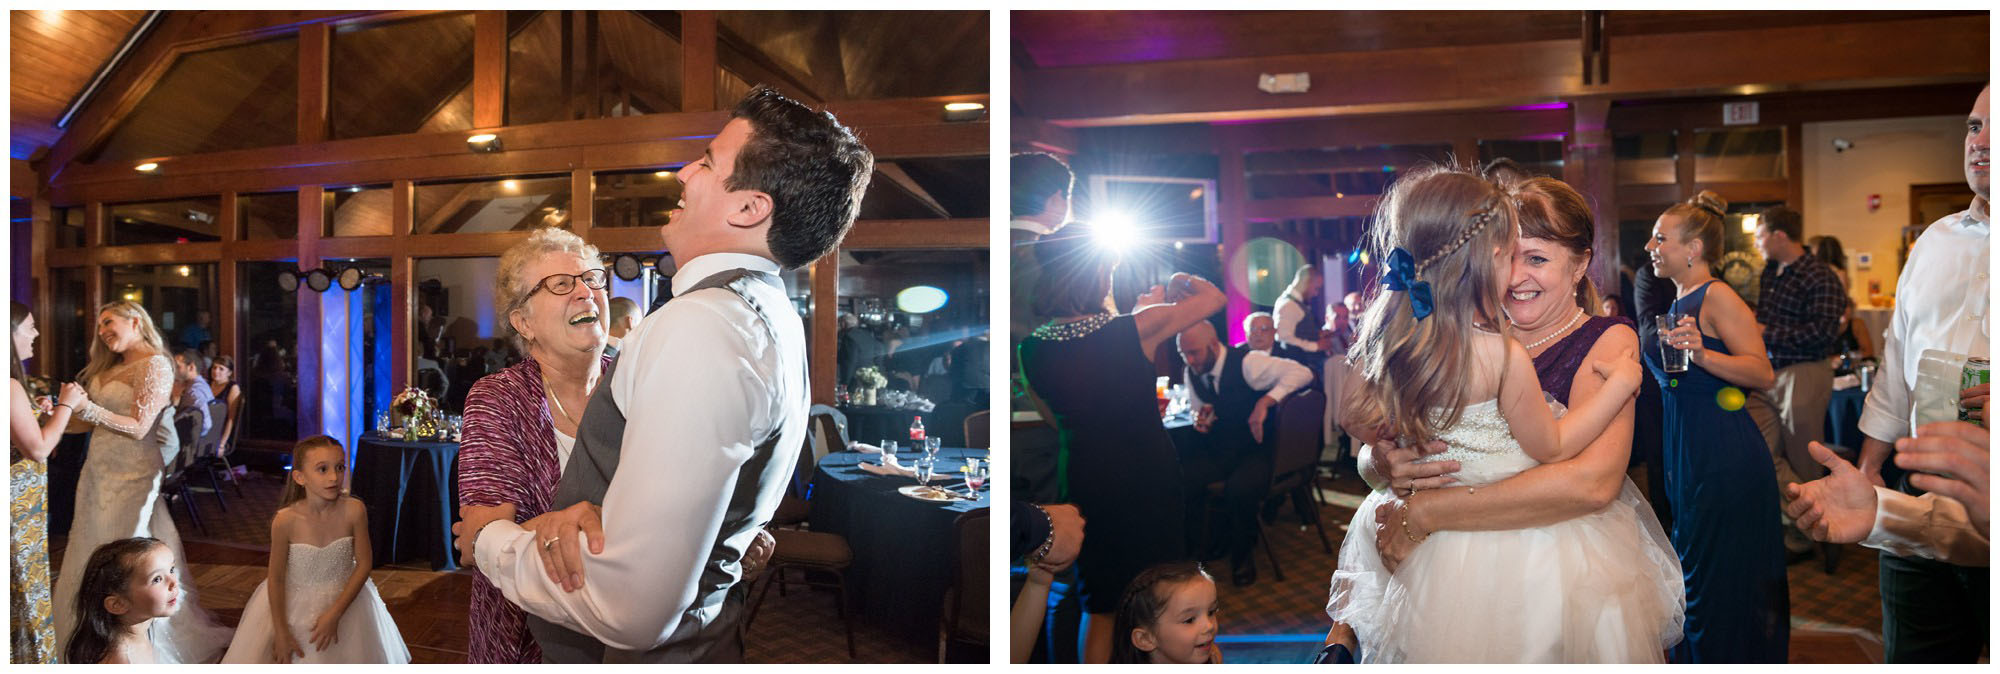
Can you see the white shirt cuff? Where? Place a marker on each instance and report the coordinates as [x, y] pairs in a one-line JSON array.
[[489, 545]]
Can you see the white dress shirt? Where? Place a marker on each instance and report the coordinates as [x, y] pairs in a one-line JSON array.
[[702, 383], [1941, 302], [1276, 377], [1289, 312], [1929, 526]]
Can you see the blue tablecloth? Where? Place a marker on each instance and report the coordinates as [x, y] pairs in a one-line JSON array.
[[1843, 418], [411, 490], [904, 548]]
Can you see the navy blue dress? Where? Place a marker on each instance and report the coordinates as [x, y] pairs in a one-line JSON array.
[[1725, 503]]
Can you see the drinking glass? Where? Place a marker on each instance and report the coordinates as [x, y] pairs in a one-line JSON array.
[[975, 477], [1672, 358], [926, 469], [382, 422], [931, 445]]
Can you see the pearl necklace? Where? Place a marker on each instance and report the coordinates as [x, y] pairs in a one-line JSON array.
[[1558, 332], [1063, 332]]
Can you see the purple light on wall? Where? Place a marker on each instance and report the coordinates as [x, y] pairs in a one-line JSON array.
[[1547, 136], [1558, 105]]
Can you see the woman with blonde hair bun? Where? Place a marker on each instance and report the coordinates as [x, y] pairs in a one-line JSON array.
[[1720, 480], [129, 381]]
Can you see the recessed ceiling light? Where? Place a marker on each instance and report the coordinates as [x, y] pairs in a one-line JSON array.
[[147, 167]]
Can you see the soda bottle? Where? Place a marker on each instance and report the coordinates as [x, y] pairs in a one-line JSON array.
[[917, 431]]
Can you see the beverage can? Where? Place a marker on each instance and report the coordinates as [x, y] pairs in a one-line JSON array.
[[1977, 371]]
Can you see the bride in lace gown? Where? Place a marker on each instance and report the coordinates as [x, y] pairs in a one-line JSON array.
[[118, 496]]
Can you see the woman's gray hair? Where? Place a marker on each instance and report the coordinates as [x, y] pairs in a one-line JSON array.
[[509, 290]]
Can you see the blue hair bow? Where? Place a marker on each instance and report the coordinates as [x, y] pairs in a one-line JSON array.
[[1402, 275]]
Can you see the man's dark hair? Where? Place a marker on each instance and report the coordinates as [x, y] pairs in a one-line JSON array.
[[813, 168], [1781, 219], [1036, 175]]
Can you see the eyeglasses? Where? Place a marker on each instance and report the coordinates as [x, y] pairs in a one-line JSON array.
[[564, 284]]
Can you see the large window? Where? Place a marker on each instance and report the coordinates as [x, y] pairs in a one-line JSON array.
[[358, 210], [268, 216], [171, 221], [181, 298], [1734, 155], [635, 198], [921, 317], [1646, 158], [488, 205], [267, 320], [410, 76]]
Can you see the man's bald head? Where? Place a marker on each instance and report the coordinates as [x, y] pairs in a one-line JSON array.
[[1197, 345]]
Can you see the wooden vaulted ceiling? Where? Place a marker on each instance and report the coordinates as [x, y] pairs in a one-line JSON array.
[[55, 54], [243, 95]]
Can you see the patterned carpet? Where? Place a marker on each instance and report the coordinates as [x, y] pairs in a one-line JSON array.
[[430, 607], [1836, 618]]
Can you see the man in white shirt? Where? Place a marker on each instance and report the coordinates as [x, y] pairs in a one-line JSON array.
[[1261, 332], [1234, 390], [1933, 610], [690, 440]]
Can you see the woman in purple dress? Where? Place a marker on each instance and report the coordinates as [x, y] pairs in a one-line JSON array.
[[1548, 301]]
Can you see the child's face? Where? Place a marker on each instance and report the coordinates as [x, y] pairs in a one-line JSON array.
[[321, 471], [153, 591], [1186, 628]]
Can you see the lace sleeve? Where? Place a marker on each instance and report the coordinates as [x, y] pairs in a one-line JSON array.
[[150, 394]]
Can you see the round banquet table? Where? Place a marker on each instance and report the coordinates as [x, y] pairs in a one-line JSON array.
[[905, 550], [874, 423], [411, 490]]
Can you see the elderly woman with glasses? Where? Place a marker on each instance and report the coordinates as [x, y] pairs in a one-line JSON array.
[[521, 422]]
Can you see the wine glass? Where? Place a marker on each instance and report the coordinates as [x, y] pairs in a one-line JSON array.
[[931, 445], [975, 477], [926, 469]]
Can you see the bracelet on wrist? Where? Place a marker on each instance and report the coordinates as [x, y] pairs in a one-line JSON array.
[[1047, 543]]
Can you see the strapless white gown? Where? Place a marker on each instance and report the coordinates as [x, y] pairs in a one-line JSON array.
[[1604, 587], [118, 497], [314, 577]]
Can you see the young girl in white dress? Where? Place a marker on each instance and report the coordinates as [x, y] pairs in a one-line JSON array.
[[317, 583], [1434, 361], [126, 584]]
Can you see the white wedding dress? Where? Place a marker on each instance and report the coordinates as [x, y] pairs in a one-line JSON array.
[[118, 497], [314, 577], [1601, 588]]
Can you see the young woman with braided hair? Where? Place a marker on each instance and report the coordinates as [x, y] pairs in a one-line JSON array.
[[1435, 360]]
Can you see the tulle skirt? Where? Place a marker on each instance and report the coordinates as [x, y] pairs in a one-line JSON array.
[[1604, 587], [367, 634]]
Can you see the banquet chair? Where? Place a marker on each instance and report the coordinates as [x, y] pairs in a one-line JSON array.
[[978, 430], [828, 428], [808, 552], [227, 445], [1294, 465], [202, 452], [174, 486], [964, 618]]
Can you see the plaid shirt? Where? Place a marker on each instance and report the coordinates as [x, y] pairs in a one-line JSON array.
[[1800, 306]]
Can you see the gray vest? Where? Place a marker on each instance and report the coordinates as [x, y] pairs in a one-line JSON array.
[[709, 629]]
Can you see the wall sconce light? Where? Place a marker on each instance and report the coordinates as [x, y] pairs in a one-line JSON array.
[[1750, 223], [147, 167], [964, 112], [484, 142]]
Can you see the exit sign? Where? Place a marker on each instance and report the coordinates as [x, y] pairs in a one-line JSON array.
[[1739, 113]]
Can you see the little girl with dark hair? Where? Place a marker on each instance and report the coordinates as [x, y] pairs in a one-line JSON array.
[[126, 584], [1168, 617]]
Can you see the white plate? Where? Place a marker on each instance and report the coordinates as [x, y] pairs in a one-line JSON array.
[[923, 493]]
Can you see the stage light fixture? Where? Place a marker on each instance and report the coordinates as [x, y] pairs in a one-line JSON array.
[[921, 299], [626, 267], [964, 112], [318, 280], [484, 142], [288, 280]]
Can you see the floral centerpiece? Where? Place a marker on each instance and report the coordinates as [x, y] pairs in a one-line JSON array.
[[868, 381], [416, 414]]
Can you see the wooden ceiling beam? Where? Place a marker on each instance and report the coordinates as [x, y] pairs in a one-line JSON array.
[[901, 180], [950, 233], [1309, 207], [1881, 53], [900, 128], [1331, 132]]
